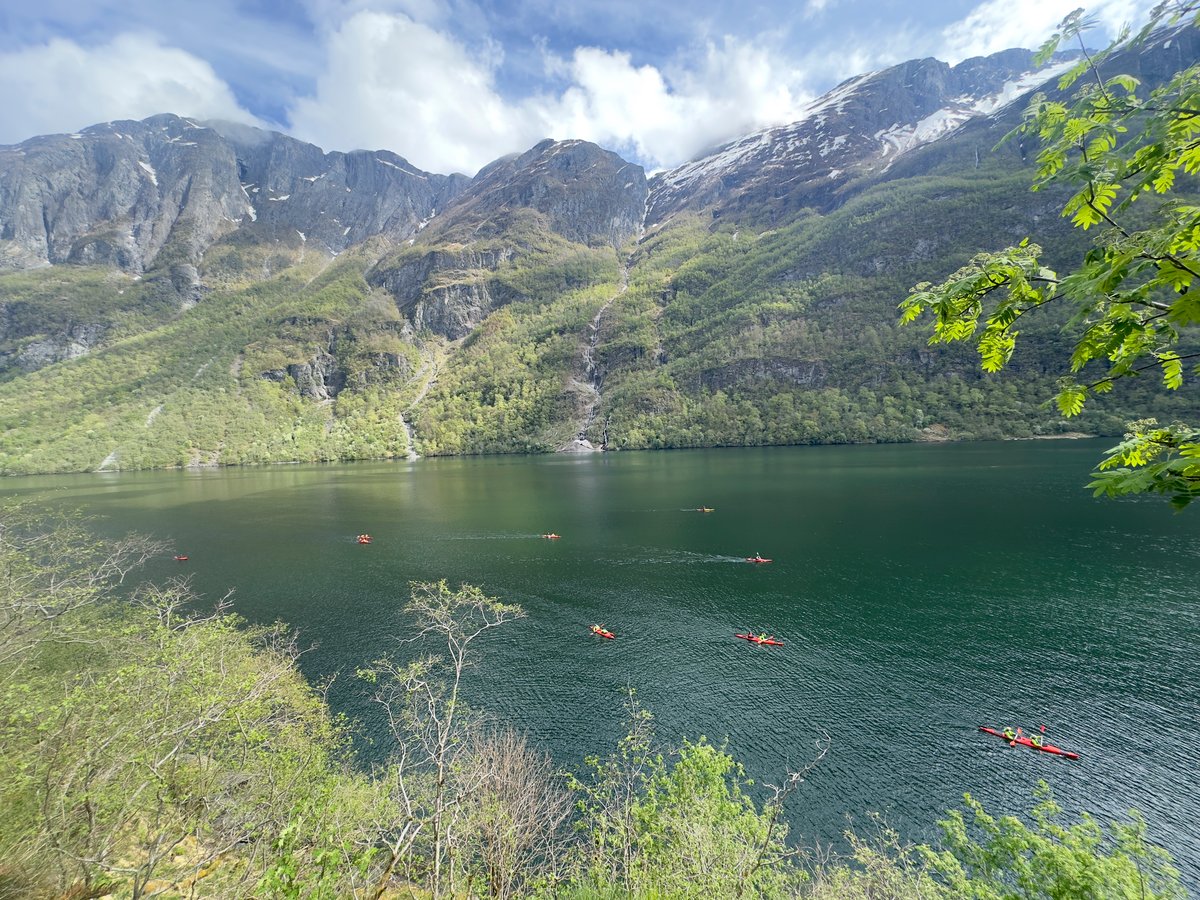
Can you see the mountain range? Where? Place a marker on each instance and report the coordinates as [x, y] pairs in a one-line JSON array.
[[184, 293]]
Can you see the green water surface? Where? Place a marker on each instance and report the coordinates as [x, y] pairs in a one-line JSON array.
[[920, 590]]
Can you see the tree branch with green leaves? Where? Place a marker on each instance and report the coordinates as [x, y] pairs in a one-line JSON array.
[[1130, 297]]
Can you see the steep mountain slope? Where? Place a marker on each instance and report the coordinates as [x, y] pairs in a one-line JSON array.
[[512, 272], [551, 214], [858, 129], [168, 199], [122, 193], [217, 294], [296, 351], [763, 300]]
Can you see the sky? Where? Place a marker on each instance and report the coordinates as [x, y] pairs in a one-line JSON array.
[[453, 84]]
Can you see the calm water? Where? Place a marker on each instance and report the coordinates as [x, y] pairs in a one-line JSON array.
[[921, 590]]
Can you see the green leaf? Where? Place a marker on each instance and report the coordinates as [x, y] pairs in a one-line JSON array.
[[1128, 82], [1172, 368], [1070, 400]]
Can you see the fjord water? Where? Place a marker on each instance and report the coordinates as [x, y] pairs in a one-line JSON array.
[[921, 591]]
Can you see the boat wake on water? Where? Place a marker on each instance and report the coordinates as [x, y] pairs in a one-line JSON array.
[[495, 536], [677, 558]]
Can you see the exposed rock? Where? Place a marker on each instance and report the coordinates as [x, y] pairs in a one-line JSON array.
[[121, 193], [579, 445], [935, 433], [586, 194], [445, 291], [78, 341], [860, 127], [186, 282], [338, 199], [806, 373], [571, 188], [118, 193], [321, 378]]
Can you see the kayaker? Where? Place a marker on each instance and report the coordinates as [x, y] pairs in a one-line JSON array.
[[1036, 740], [761, 638], [1010, 734]]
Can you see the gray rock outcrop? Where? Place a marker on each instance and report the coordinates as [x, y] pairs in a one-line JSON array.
[[860, 128], [446, 282], [584, 193], [124, 193]]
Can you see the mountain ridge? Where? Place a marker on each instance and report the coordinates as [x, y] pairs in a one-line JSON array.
[[205, 294], [283, 182]]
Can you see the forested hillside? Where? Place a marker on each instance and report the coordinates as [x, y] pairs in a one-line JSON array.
[[558, 300]]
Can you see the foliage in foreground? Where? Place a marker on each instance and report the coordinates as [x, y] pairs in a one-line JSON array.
[[152, 750], [1130, 297], [992, 858], [149, 749]]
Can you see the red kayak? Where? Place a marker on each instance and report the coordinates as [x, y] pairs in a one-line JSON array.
[[1023, 740], [603, 632], [758, 559], [766, 642], [181, 558]]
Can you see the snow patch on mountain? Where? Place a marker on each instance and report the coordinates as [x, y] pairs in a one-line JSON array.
[[900, 138], [863, 124], [1019, 87], [150, 171], [790, 138]]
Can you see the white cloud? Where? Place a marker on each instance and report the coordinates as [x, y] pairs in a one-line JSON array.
[[63, 86], [393, 76], [391, 82], [330, 14], [669, 117], [1000, 24]]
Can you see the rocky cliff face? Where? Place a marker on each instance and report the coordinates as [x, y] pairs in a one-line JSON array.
[[584, 193], [75, 341], [572, 189], [446, 291], [116, 194], [336, 199], [858, 129], [122, 193]]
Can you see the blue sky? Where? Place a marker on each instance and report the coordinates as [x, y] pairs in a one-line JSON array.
[[454, 84]]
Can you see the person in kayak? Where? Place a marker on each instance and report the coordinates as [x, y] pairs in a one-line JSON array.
[[1009, 733], [1036, 740]]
